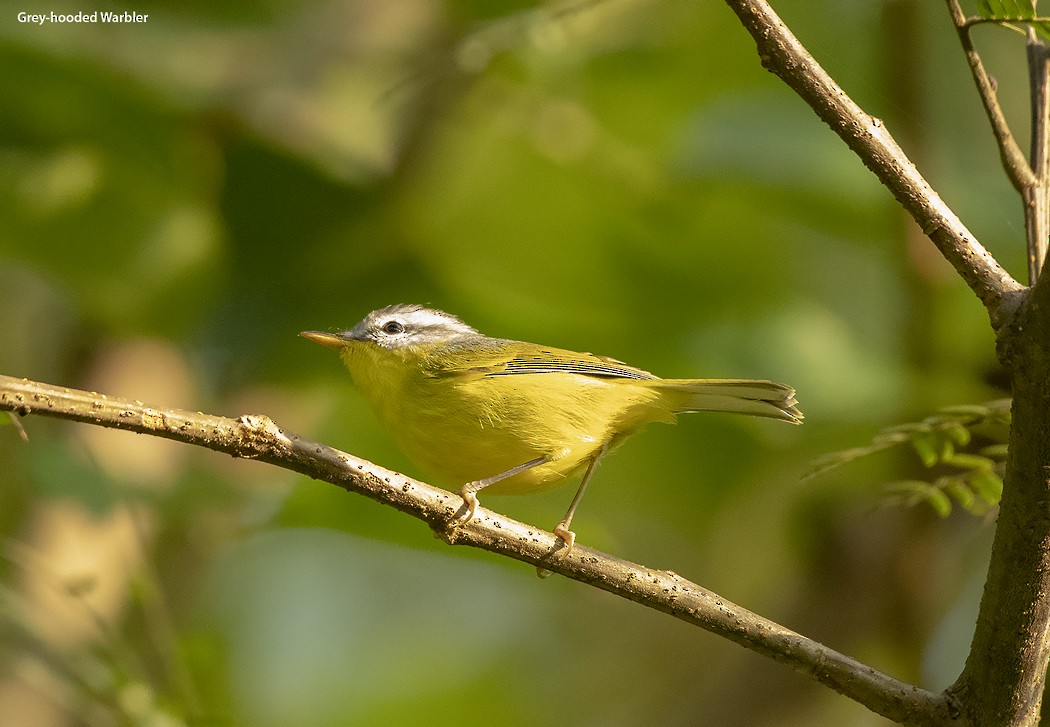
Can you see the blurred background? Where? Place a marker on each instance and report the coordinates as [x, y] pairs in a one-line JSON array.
[[180, 197]]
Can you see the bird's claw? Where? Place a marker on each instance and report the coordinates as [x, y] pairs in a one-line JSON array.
[[470, 502], [567, 536]]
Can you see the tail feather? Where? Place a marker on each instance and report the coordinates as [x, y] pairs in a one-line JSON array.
[[739, 396]]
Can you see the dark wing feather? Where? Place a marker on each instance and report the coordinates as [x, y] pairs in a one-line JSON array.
[[556, 361]]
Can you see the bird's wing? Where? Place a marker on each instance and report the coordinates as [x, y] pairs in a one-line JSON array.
[[553, 361]]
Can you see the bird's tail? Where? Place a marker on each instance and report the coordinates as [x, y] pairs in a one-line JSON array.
[[739, 396]]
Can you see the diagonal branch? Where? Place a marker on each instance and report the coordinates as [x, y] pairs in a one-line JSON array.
[[257, 437], [781, 53]]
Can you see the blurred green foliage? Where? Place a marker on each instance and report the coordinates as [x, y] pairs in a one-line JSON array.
[[963, 447], [180, 197]]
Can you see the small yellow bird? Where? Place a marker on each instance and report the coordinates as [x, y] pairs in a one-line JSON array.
[[517, 417]]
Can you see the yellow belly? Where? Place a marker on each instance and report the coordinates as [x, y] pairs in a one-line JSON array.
[[495, 425], [466, 427]]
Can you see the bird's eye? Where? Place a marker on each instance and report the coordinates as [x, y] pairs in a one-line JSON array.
[[393, 327]]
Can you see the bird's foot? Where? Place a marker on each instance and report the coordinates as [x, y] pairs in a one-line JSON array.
[[470, 503], [567, 536]]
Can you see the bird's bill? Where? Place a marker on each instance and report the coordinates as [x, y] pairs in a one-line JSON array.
[[332, 340]]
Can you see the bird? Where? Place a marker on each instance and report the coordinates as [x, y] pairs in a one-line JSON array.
[[510, 417]]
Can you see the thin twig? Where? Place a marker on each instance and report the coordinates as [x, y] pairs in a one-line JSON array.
[[1006, 20], [18, 426], [257, 437], [1014, 161], [1031, 177], [781, 53]]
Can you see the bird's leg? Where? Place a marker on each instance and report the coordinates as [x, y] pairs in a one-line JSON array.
[[562, 528], [469, 490]]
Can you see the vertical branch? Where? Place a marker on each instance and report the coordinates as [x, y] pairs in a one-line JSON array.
[[1037, 194], [1014, 162], [1003, 680], [1005, 673], [1004, 677]]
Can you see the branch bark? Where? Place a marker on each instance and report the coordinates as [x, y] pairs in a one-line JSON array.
[[1003, 680], [257, 437], [782, 53], [1036, 196], [1004, 677]]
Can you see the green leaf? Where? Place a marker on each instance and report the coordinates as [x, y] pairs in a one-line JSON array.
[[995, 451], [968, 411], [947, 449], [962, 493], [1006, 9], [939, 501], [988, 486], [970, 461], [937, 439], [926, 446], [1009, 12], [957, 433], [913, 492]]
